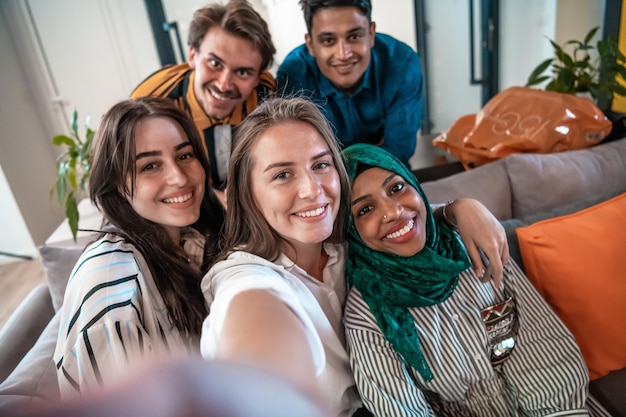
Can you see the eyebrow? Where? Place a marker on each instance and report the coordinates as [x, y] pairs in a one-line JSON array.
[[285, 164], [216, 57], [350, 32], [157, 153], [387, 181]]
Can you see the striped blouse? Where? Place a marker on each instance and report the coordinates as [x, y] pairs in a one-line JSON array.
[[545, 374], [113, 318]]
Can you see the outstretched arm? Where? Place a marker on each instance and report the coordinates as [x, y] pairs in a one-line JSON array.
[[261, 330], [479, 231]]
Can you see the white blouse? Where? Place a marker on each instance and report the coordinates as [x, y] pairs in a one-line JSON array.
[[319, 305]]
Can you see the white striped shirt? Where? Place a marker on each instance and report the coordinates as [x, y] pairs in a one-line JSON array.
[[545, 375], [113, 318]]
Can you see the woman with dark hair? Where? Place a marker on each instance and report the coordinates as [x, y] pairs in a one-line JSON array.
[[134, 294], [277, 294]]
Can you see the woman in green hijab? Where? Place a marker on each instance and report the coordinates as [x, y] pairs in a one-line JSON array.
[[425, 335]]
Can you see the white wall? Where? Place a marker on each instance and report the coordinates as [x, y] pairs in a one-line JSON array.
[[26, 157], [12, 224], [574, 18], [98, 55], [523, 41]]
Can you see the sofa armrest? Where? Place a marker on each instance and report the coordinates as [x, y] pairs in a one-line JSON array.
[[34, 379], [23, 328]]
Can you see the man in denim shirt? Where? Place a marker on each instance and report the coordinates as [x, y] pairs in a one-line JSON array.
[[369, 85]]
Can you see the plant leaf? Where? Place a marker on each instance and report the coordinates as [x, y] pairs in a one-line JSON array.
[[534, 76], [59, 140], [590, 35], [565, 58], [73, 169], [75, 124], [61, 188], [537, 80], [71, 212]]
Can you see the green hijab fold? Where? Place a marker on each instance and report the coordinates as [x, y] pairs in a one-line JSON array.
[[392, 284]]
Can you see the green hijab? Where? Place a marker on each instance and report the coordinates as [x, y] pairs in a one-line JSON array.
[[392, 284]]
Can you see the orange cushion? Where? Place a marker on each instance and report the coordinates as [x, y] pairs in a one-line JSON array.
[[578, 264]]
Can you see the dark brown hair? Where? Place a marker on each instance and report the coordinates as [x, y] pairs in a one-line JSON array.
[[238, 18], [311, 7], [113, 163]]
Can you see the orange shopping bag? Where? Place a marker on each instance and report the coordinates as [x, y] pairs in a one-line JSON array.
[[521, 119]]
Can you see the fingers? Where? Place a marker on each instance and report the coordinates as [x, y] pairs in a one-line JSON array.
[[482, 265], [476, 260], [495, 271], [505, 256], [482, 234], [492, 258]]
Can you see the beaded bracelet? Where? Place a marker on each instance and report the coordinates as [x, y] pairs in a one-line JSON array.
[[446, 218]]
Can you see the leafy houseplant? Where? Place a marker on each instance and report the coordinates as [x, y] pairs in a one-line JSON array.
[[603, 76], [73, 169]]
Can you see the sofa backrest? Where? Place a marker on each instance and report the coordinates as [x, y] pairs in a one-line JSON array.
[[542, 182], [522, 185]]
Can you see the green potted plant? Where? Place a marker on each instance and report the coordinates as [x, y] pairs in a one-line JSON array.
[[602, 76], [73, 169]]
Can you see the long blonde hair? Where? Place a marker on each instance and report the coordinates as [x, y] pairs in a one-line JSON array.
[[245, 224]]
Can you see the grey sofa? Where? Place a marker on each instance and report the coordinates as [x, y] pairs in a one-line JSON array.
[[519, 189], [28, 338]]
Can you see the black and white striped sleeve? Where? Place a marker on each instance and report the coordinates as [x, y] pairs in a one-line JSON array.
[[102, 328]]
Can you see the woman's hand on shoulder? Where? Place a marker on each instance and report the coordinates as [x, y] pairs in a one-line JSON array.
[[481, 231]]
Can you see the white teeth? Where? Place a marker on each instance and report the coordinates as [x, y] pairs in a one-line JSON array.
[[311, 213], [217, 96], [344, 66], [180, 199], [402, 231]]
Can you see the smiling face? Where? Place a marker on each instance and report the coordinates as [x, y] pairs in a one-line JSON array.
[[295, 184], [341, 39], [169, 182], [389, 214], [227, 70]]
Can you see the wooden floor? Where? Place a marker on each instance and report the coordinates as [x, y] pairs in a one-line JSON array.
[[17, 279]]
